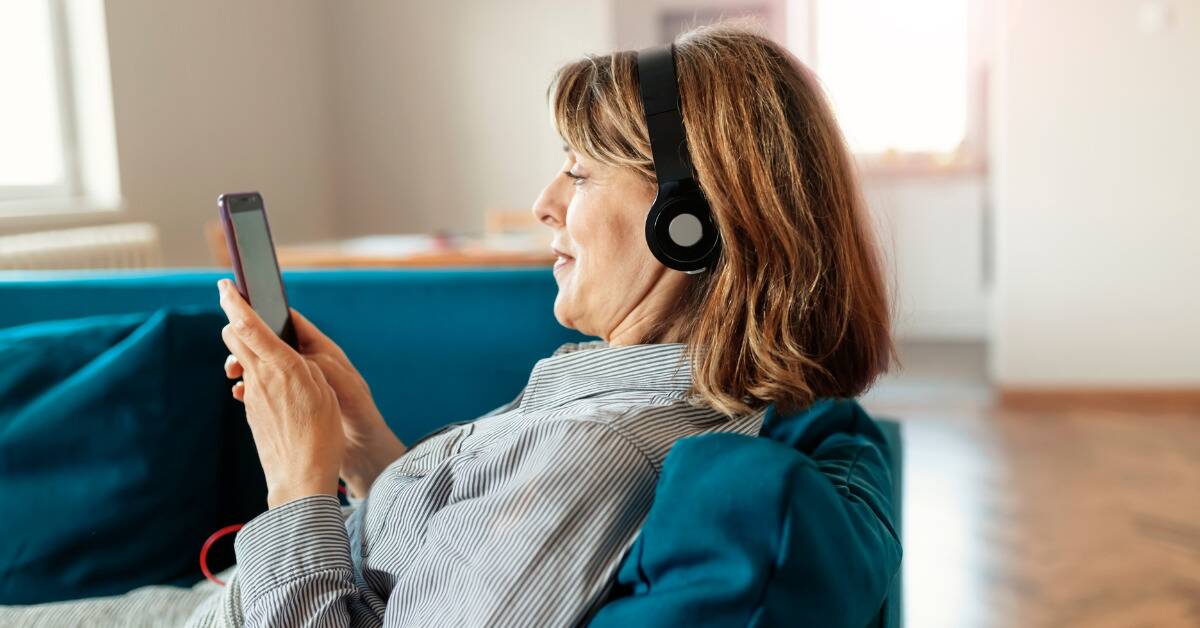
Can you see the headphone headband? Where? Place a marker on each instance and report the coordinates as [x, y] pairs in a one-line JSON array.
[[680, 229], [660, 100]]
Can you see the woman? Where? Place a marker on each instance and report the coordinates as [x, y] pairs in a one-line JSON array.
[[522, 516]]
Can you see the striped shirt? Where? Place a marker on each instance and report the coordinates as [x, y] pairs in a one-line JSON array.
[[518, 518]]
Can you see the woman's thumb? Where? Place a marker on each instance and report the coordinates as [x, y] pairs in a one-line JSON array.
[[307, 333]]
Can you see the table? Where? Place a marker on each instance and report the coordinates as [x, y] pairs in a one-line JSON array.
[[416, 250]]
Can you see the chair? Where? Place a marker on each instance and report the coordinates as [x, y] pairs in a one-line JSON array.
[[214, 238]]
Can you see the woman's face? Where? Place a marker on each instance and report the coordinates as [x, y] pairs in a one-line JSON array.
[[609, 283]]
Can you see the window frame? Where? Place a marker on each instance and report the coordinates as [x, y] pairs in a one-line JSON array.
[[90, 182]]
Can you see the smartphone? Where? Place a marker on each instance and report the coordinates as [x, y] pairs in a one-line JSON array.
[[244, 217]]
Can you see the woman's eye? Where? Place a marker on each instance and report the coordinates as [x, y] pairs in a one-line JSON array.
[[575, 178]]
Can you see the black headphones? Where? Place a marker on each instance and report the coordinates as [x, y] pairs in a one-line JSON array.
[[679, 228]]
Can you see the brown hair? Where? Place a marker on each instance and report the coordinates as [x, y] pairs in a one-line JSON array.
[[795, 308]]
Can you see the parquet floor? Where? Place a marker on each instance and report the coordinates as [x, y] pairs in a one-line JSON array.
[[1072, 516]]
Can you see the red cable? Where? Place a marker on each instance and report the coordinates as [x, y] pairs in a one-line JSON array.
[[207, 544], [212, 538]]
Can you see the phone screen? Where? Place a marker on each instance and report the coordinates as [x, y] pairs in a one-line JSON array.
[[257, 254]]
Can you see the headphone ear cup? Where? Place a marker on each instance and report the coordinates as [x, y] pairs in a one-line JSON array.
[[680, 229]]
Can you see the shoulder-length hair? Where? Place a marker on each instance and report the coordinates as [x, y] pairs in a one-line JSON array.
[[795, 308]]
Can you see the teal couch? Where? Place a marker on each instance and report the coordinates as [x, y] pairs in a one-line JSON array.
[[446, 345]]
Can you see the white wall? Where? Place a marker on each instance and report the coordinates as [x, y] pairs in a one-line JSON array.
[[931, 229], [1097, 151], [441, 107]]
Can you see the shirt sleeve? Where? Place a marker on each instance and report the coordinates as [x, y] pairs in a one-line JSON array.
[[294, 566], [533, 529]]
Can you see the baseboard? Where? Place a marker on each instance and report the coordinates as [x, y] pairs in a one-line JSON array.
[[1184, 399]]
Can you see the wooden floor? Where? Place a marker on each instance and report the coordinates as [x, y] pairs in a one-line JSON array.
[[1072, 516]]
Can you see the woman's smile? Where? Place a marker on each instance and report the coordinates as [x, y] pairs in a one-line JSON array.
[[561, 261]]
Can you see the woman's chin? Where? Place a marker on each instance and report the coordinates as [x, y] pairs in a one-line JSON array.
[[566, 309], [560, 313]]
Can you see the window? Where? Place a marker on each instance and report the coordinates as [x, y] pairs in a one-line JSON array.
[[905, 78], [31, 121], [57, 145]]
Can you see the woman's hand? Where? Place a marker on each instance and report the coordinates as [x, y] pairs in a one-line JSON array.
[[370, 445], [292, 410]]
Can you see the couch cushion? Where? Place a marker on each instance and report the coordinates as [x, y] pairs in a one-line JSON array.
[[118, 437], [793, 528]]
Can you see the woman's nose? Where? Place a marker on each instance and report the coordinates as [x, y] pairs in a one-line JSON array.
[[550, 208]]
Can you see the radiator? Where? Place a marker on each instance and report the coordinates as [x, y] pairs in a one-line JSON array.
[[128, 245]]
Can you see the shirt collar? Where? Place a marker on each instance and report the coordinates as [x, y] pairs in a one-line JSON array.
[[584, 369]]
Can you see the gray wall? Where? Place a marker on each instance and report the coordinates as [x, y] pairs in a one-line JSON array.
[[441, 112], [221, 96]]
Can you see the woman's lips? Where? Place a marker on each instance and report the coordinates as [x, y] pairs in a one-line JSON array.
[[561, 258]]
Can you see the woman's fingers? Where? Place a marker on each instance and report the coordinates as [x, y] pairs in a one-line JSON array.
[[251, 330], [239, 391], [309, 336], [230, 301], [316, 373], [233, 368], [330, 367], [245, 357]]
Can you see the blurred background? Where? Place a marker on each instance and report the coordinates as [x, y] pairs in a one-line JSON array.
[[1030, 165]]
